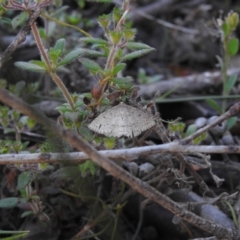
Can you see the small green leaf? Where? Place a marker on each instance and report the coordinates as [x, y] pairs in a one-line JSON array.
[[137, 46], [92, 66], [122, 83], [109, 142], [136, 54], [30, 67], [71, 56], [213, 104], [225, 29], [231, 122], [9, 202], [93, 53], [19, 87], [118, 68], [199, 139], [191, 129], [26, 214], [86, 167], [19, 19], [65, 173], [6, 20], [54, 57], [24, 179], [231, 82], [94, 40], [220, 61], [60, 44], [7, 232], [233, 46], [39, 63]]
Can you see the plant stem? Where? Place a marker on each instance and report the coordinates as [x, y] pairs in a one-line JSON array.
[[51, 71], [224, 75], [63, 88]]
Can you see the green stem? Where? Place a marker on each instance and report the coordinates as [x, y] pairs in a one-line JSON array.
[[224, 74], [65, 24], [52, 72], [63, 88]]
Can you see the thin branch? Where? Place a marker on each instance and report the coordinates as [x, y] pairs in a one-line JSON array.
[[20, 38], [138, 185], [129, 154]]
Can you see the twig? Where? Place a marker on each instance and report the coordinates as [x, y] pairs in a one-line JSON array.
[[186, 85], [230, 113], [20, 38], [139, 186], [129, 154], [167, 24]]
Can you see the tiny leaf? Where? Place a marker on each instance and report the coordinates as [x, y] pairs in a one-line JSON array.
[[19, 19], [233, 46], [92, 66], [30, 67], [231, 122], [65, 173], [9, 202], [19, 87], [26, 214], [86, 167], [71, 56], [231, 82], [213, 104], [118, 68], [24, 179], [60, 44], [191, 129], [225, 29], [220, 61], [136, 54], [137, 46], [94, 40]]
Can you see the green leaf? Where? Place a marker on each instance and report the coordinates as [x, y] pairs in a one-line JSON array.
[[19, 87], [26, 214], [118, 68], [71, 56], [233, 46], [24, 179], [136, 54], [19, 19], [39, 63], [65, 173], [93, 53], [60, 44], [109, 142], [92, 66], [30, 67], [231, 82], [220, 61], [199, 139], [124, 82], [94, 40], [231, 122], [214, 105], [6, 20], [225, 29], [86, 167], [18, 235], [137, 46], [9, 202], [191, 129]]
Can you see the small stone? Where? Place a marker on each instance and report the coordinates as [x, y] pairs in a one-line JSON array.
[[122, 120]]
